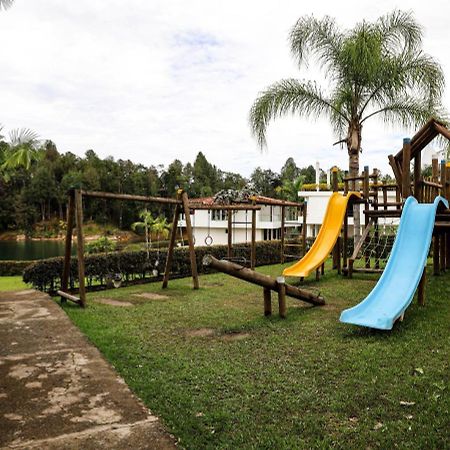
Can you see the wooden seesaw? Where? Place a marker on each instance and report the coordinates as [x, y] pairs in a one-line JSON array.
[[268, 283]]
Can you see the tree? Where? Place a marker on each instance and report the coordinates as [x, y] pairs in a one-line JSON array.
[[374, 70], [146, 223], [21, 151]]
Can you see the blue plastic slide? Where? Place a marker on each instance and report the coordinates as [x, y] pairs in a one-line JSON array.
[[396, 287]]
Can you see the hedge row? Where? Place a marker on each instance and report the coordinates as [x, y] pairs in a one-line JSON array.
[[13, 268], [99, 268]]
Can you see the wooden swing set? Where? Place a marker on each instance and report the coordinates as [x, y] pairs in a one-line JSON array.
[[75, 219]]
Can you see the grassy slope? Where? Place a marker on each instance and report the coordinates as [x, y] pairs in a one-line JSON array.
[[12, 284], [304, 382]]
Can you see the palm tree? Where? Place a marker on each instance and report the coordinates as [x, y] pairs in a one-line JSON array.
[[374, 70], [147, 223], [161, 227], [22, 150]]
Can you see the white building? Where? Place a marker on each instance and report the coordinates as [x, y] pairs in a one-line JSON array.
[[317, 202], [210, 227]]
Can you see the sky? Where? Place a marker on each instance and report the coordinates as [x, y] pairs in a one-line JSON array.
[[156, 80]]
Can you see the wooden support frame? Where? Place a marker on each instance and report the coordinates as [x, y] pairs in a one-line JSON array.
[[406, 176], [75, 216], [268, 283]]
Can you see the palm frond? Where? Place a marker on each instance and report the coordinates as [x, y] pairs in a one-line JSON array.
[[408, 112], [5, 4], [321, 38], [288, 96], [399, 32], [23, 136]]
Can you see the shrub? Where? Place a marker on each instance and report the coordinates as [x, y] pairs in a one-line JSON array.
[[46, 274], [13, 268]]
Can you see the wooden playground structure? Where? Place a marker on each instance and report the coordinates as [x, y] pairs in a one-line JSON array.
[[374, 196], [376, 207]]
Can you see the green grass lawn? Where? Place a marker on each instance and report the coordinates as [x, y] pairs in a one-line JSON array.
[[12, 284], [221, 375]]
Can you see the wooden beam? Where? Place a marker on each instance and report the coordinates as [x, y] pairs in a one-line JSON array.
[[334, 179], [260, 279], [80, 247], [135, 198], [267, 301], [187, 216], [169, 258], [66, 296], [281, 282], [245, 207], [68, 244], [406, 176], [396, 169], [418, 177]]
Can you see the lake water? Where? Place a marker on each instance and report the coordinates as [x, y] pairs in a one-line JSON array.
[[29, 250]]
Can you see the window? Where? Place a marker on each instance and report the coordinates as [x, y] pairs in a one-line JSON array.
[[219, 214]]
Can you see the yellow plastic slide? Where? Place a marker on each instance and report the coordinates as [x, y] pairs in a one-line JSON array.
[[327, 237]]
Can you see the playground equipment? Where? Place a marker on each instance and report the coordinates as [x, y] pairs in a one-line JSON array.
[[268, 283], [404, 271], [330, 230], [75, 218]]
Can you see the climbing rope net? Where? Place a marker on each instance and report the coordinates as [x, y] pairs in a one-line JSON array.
[[376, 248]]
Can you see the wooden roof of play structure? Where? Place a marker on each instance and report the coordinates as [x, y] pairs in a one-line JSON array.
[[258, 199], [419, 141]]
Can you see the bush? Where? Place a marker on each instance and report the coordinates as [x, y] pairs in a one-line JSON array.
[[46, 274], [13, 268], [101, 245]]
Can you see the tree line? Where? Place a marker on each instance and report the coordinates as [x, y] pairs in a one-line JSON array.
[[37, 191]]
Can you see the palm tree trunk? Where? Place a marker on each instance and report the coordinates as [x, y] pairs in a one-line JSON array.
[[354, 148]]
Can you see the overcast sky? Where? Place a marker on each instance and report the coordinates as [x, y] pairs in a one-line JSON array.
[[156, 80]]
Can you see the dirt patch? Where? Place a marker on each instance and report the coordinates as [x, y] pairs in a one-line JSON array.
[[151, 296], [111, 302], [201, 332], [235, 336], [212, 284]]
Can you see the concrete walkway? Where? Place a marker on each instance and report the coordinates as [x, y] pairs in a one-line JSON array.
[[57, 391]]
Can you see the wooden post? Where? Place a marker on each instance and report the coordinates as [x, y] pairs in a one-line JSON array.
[[406, 177], [418, 177], [334, 181], [68, 244], [184, 199], [397, 170], [267, 301], [173, 233], [230, 233], [446, 181], [345, 240], [436, 253], [421, 289], [366, 181], [304, 226], [283, 220], [322, 269], [443, 180], [260, 279], [253, 244], [434, 169], [80, 247], [281, 296], [318, 274]]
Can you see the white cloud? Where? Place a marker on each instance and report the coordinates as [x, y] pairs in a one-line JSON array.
[[154, 81]]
